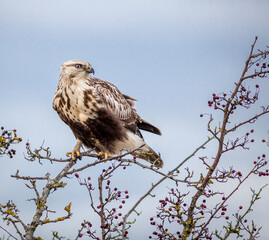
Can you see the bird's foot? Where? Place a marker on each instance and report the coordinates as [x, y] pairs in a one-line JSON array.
[[103, 155], [74, 154], [76, 151]]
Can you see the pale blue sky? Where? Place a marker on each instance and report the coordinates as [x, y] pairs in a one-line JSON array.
[[169, 55]]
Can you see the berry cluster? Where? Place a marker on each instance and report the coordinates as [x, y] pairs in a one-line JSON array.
[[243, 97], [172, 210], [111, 216], [7, 138], [260, 163]]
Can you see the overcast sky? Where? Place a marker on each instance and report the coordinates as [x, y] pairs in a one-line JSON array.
[[169, 55]]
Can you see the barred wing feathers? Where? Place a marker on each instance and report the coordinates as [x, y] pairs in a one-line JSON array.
[[122, 106]]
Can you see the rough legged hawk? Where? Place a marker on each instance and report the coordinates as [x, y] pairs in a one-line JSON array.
[[99, 115]]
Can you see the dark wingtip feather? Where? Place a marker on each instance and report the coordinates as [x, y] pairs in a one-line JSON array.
[[143, 125]]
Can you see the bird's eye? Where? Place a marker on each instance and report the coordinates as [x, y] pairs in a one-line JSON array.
[[78, 66]]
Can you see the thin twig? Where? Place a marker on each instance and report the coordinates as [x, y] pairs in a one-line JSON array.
[[8, 233]]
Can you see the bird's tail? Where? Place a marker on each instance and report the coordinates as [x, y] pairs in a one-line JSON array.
[[148, 154]]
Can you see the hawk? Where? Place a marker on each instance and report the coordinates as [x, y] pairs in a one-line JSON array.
[[99, 115]]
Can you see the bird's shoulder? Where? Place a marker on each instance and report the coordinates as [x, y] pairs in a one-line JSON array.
[[120, 104]]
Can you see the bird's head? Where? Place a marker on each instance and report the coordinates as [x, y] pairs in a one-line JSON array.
[[76, 68]]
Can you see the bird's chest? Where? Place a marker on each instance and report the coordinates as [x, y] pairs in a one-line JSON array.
[[77, 104]]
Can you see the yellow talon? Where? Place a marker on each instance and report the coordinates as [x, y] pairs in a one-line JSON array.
[[74, 154], [68, 153], [104, 155], [76, 151]]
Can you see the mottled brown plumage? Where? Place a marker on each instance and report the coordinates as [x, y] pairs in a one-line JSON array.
[[99, 115]]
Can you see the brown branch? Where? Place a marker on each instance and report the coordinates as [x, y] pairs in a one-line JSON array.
[[247, 121], [260, 54], [257, 74]]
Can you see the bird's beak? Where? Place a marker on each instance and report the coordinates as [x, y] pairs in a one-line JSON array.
[[90, 70]]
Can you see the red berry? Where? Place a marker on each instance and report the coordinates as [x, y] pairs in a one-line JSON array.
[[226, 217], [240, 207], [252, 140], [257, 86], [89, 178], [201, 115], [76, 175], [134, 157], [257, 64], [126, 192], [251, 130]]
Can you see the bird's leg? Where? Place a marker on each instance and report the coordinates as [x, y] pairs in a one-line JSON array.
[[104, 155], [76, 151]]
